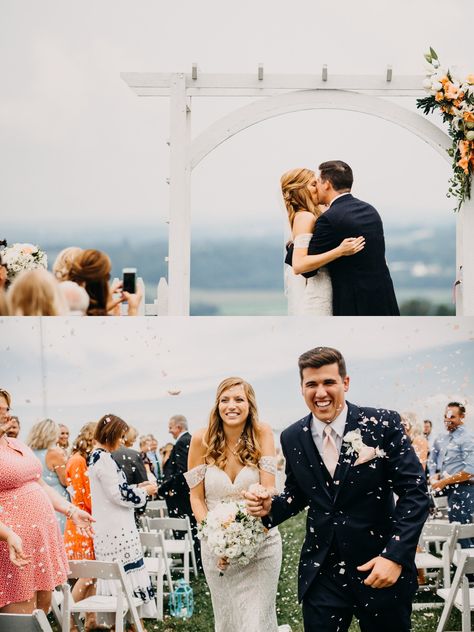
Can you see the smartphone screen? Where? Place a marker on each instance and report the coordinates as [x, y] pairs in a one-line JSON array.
[[129, 280]]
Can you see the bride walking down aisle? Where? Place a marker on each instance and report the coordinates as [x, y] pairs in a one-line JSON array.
[[236, 452]]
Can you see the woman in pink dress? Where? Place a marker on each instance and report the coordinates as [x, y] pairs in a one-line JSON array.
[[27, 508]]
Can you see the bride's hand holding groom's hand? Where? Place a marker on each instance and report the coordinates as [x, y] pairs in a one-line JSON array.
[[258, 501]]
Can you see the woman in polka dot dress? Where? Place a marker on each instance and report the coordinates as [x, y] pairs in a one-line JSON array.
[[113, 502]]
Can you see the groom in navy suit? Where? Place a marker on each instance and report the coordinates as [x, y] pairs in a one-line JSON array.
[[345, 463], [362, 285]]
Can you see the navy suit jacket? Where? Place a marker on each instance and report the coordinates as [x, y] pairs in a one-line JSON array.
[[362, 285], [174, 488], [355, 511]]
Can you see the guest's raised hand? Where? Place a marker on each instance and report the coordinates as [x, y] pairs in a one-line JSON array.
[[15, 550], [83, 522], [384, 572], [133, 301], [150, 488]]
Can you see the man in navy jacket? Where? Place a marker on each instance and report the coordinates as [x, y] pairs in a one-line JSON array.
[[358, 554], [362, 285]]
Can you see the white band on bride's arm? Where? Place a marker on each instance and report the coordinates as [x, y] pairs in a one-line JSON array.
[[302, 241]]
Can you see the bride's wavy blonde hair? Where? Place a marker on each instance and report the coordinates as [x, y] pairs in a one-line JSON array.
[[248, 451], [294, 185]]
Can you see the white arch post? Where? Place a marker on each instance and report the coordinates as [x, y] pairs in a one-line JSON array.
[[284, 94]]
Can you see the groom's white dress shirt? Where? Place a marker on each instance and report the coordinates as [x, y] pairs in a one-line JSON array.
[[338, 196], [337, 428]]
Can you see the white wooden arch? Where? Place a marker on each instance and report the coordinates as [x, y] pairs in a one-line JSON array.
[[359, 94]]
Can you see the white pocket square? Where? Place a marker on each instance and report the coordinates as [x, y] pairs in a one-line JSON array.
[[367, 453]]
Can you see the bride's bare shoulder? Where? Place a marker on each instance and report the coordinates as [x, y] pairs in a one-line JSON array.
[[303, 222]]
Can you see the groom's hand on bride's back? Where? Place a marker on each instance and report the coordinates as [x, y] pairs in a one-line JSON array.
[[258, 502]]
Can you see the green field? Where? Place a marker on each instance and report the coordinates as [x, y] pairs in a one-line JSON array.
[[206, 302], [288, 608]]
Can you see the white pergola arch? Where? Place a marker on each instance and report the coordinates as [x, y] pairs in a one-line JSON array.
[[358, 94]]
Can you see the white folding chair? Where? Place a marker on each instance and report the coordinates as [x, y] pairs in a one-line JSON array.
[[446, 533], [118, 604], [459, 596], [156, 509], [184, 547], [35, 622], [157, 565]]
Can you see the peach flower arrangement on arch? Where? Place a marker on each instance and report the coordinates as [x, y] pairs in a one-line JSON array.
[[453, 96]]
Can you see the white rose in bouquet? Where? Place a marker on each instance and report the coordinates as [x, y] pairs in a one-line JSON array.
[[231, 532], [19, 257]]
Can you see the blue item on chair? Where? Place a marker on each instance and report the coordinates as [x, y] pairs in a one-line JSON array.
[[181, 600]]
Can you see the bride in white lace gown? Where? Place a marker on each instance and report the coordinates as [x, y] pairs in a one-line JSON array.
[[232, 453], [312, 296]]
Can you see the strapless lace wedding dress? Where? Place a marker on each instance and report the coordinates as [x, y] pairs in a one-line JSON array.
[[308, 297], [243, 598]]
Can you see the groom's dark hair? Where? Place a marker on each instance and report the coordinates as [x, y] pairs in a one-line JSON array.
[[338, 173], [321, 356]]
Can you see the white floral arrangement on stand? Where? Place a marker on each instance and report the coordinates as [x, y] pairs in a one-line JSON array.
[[20, 257], [233, 533], [453, 95]]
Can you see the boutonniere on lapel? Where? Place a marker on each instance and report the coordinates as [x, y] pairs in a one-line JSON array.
[[364, 452]]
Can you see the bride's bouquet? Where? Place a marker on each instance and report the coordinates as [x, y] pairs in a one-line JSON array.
[[232, 533], [19, 257]]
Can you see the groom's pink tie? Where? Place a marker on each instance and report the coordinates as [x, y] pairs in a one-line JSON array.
[[330, 451]]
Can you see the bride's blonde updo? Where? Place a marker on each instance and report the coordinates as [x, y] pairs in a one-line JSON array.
[[294, 187], [248, 451]]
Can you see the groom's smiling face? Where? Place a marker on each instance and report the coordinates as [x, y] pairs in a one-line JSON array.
[[324, 391]]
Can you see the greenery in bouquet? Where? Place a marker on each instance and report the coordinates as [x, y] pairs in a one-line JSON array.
[[20, 257], [231, 532], [453, 96]]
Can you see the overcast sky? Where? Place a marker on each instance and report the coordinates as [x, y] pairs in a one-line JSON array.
[[75, 370], [77, 146]]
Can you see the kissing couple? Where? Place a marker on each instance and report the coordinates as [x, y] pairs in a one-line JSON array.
[[353, 468], [337, 246]]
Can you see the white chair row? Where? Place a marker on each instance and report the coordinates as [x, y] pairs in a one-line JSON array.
[[118, 604], [173, 545], [36, 622]]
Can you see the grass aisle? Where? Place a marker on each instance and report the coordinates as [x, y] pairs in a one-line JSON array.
[[288, 609]]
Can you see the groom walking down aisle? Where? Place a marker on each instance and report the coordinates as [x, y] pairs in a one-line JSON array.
[[361, 284], [345, 463]]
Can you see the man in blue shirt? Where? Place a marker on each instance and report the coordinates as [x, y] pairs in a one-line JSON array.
[[452, 467]]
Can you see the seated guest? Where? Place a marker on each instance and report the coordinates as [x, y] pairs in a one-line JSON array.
[[42, 440], [63, 262], [75, 297], [91, 269], [35, 293]]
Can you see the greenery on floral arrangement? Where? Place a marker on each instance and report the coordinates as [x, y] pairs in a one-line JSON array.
[[454, 97]]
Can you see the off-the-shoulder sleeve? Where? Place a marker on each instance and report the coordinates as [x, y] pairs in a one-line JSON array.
[[268, 464], [195, 476], [302, 241]]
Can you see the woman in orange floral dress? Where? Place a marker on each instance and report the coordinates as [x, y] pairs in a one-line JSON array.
[[79, 546]]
